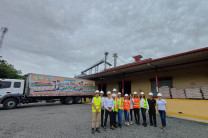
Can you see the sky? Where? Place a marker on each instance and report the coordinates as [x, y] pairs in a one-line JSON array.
[[64, 37]]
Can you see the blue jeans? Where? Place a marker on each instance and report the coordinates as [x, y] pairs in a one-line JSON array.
[[163, 116], [143, 110], [126, 114], [120, 116]]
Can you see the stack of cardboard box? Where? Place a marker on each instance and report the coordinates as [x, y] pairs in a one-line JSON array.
[[193, 93], [205, 91], [165, 91], [178, 93]]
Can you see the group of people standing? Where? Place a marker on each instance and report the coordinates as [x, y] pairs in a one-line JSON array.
[[114, 105]]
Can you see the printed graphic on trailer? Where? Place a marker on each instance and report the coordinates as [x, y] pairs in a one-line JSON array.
[[47, 85]]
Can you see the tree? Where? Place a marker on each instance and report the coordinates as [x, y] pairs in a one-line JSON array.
[[8, 71]]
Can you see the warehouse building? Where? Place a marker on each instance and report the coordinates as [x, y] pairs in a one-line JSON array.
[[185, 73]]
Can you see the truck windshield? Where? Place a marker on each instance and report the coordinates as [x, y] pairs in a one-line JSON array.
[[5, 84]]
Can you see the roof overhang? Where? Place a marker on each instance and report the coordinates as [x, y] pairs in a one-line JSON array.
[[181, 59]]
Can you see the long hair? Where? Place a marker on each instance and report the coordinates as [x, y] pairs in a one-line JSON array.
[[141, 97]]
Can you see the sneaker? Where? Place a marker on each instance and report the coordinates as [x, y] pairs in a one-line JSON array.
[[97, 130], [93, 131], [112, 127], [127, 123], [104, 128], [131, 123]]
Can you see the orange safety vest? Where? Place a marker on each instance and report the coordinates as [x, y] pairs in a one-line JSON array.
[[126, 105], [136, 103]]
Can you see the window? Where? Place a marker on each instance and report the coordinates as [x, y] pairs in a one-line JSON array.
[[5, 84], [17, 85]]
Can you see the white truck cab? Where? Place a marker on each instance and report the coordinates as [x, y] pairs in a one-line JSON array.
[[10, 88]]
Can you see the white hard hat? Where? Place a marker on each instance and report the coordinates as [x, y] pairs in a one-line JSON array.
[[119, 93], [101, 92], [159, 94], [142, 93], [96, 91], [126, 94], [135, 92], [113, 95], [114, 89], [108, 92], [151, 93]]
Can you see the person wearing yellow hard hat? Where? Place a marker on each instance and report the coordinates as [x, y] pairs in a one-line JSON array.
[[96, 109], [161, 107], [144, 107], [152, 110]]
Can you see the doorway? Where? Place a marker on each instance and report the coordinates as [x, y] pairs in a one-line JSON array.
[[127, 87]]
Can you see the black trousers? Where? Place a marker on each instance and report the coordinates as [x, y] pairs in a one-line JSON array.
[[131, 110], [152, 116], [114, 118], [102, 114], [107, 113], [136, 115]]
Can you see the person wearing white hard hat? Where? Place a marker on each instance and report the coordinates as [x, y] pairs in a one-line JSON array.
[[120, 101], [152, 110], [144, 107], [126, 109], [161, 107], [96, 109], [131, 108], [102, 108], [109, 106], [115, 110], [136, 107]]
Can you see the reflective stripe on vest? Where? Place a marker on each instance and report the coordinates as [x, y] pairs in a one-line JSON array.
[[126, 104], [120, 103], [136, 103], [97, 103], [145, 103], [115, 109]]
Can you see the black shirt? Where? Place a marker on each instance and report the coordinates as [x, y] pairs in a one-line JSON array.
[[152, 104]]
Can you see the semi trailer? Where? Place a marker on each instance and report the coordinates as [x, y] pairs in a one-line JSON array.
[[38, 87]]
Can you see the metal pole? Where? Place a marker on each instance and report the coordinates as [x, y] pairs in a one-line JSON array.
[[123, 84], [156, 80], [115, 59], [106, 54], [101, 84]]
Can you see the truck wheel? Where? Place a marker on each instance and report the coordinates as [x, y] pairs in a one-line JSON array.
[[78, 100], [10, 103], [69, 100]]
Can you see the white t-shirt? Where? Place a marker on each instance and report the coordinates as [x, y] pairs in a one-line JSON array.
[[161, 104], [131, 103]]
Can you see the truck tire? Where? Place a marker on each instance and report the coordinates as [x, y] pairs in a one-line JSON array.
[[10, 103], [78, 100], [69, 100]]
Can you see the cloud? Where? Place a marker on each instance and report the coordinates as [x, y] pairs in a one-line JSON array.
[[65, 37]]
